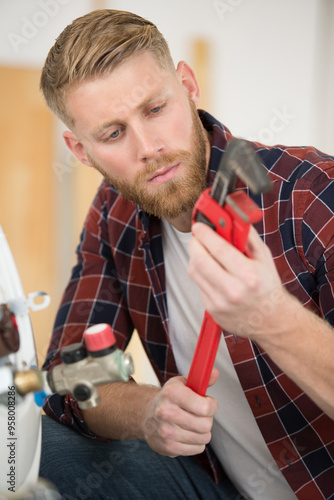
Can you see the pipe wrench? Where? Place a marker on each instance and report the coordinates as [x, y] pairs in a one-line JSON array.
[[230, 213]]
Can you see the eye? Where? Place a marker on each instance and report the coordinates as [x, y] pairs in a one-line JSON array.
[[155, 110], [114, 134]]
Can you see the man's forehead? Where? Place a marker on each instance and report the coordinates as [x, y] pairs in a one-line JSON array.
[[128, 83], [141, 72]]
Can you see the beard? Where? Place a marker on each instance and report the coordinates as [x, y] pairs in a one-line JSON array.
[[178, 195]]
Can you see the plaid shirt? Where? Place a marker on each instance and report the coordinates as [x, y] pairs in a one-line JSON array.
[[119, 279]]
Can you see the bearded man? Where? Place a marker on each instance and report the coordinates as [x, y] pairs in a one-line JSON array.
[[265, 429]]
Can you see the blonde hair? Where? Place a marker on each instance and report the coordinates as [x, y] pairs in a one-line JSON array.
[[92, 46]]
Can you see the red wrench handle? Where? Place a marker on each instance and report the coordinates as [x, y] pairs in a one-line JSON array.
[[232, 222], [204, 356]]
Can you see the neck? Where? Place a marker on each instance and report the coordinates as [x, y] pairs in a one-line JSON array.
[[182, 222]]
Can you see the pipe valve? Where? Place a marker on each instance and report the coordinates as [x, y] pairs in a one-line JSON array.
[[95, 361]]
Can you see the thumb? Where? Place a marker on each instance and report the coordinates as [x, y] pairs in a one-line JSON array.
[[254, 243], [214, 376]]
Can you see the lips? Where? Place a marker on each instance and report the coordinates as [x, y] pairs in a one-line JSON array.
[[164, 174]]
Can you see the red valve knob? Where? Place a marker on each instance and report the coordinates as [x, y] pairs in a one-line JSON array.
[[99, 338]]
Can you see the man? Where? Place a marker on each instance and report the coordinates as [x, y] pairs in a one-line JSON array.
[[269, 412]]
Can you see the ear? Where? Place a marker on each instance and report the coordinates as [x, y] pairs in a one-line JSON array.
[[77, 148], [189, 81]]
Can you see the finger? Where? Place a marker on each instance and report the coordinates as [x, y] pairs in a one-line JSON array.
[[186, 400], [219, 249], [261, 252], [176, 449], [180, 434], [241, 272], [209, 274], [173, 415], [255, 243], [173, 445]]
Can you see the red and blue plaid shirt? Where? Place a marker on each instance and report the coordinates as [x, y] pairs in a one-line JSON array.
[[119, 279]]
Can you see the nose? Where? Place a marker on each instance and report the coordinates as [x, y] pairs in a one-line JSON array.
[[149, 145]]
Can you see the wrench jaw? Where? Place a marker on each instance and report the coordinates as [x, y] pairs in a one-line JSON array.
[[239, 161], [224, 184]]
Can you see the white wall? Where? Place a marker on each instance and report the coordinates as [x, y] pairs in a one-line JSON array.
[[28, 28], [272, 62]]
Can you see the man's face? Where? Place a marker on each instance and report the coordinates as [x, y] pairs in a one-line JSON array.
[[140, 129]]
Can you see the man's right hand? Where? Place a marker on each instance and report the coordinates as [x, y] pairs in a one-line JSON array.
[[178, 421]]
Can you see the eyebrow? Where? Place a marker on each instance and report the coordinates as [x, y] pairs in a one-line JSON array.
[[96, 133]]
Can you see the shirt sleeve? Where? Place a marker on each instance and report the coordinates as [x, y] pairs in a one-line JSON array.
[[315, 238], [93, 295]]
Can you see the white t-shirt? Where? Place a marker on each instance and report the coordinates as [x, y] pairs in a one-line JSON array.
[[236, 438]]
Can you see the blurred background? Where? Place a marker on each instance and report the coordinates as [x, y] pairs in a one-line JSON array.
[[266, 69]]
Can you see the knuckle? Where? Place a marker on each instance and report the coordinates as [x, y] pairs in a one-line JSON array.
[[163, 412], [171, 450], [252, 281], [198, 261], [169, 392], [166, 432], [235, 295]]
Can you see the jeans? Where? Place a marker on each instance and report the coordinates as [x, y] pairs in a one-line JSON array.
[[85, 469]]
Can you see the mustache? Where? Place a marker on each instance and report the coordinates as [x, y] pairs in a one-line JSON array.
[[164, 161]]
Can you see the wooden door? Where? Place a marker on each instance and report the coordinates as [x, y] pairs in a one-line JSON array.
[[26, 194]]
